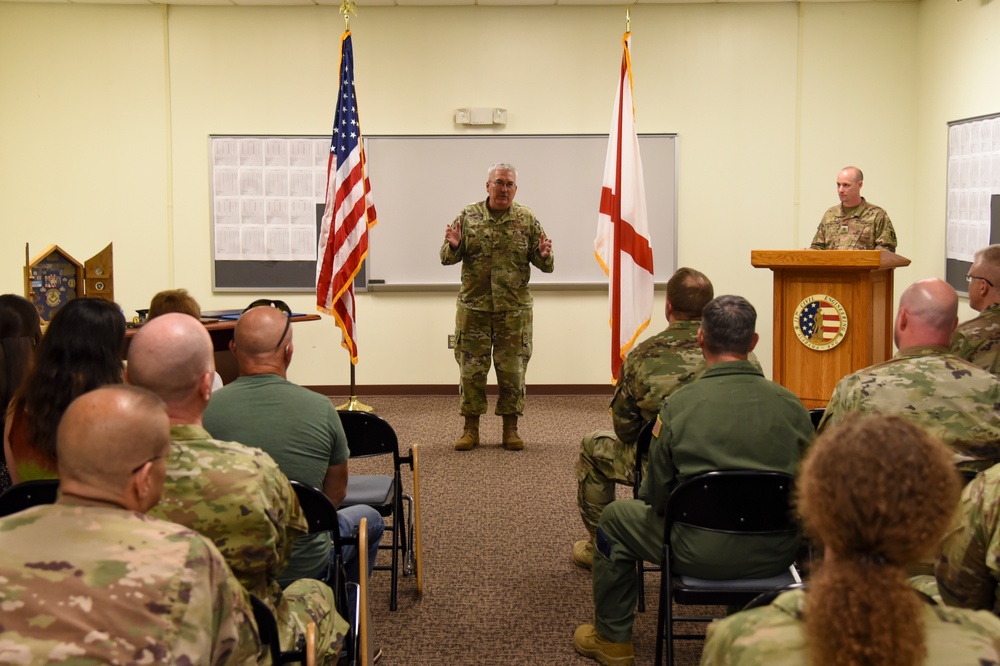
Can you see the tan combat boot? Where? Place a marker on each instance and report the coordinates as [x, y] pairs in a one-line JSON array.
[[511, 440], [470, 435]]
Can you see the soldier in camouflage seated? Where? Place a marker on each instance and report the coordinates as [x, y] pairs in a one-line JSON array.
[[651, 372], [978, 340], [876, 510], [92, 580], [231, 493], [925, 383]]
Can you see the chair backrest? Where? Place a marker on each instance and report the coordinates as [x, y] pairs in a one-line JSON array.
[[320, 512], [369, 435], [737, 501], [267, 628], [27, 494], [641, 451], [816, 415]]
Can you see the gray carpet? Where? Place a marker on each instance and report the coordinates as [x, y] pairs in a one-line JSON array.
[[497, 529]]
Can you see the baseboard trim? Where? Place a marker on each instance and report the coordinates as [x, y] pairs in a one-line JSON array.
[[338, 390]]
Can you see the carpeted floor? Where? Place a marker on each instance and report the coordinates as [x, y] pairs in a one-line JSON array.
[[497, 529]]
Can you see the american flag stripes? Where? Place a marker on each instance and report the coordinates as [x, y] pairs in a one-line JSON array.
[[622, 245], [349, 212]]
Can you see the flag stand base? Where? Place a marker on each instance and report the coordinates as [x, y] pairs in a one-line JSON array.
[[355, 405]]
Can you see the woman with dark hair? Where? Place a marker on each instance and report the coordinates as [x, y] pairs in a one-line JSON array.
[[81, 350], [878, 492], [20, 331]]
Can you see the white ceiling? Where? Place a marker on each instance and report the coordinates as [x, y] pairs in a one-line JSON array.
[[409, 3]]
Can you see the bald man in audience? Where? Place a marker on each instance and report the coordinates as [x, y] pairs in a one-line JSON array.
[[925, 383], [92, 579], [231, 493], [978, 340], [299, 428]]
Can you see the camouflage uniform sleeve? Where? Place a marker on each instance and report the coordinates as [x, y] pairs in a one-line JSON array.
[[819, 239], [451, 255], [544, 264], [760, 636], [967, 568], [837, 407], [214, 589], [961, 346], [659, 479], [885, 235], [625, 413]]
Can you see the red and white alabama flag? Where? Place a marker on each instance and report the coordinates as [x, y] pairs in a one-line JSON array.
[[622, 245]]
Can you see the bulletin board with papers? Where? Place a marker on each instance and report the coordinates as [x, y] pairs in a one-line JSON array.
[[973, 206]]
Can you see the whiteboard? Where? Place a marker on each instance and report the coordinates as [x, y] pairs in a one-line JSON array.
[[421, 183]]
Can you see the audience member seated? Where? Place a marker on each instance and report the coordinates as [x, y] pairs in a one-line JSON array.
[[925, 383], [978, 340], [81, 350], [877, 510], [299, 428], [731, 418], [968, 568], [179, 300], [232, 494], [20, 331], [652, 371], [91, 579]]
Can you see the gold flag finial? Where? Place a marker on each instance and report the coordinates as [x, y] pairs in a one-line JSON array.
[[348, 7], [628, 18]]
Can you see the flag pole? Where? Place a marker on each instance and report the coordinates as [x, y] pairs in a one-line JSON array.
[[628, 18], [348, 7]]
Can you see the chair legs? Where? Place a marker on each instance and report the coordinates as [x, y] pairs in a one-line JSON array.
[[362, 616]]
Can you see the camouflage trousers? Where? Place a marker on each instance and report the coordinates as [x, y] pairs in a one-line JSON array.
[[603, 462], [306, 601], [506, 336]]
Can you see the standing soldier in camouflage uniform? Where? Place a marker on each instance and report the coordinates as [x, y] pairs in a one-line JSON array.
[[231, 493], [855, 224], [92, 580], [924, 383], [876, 510], [978, 340], [652, 371], [497, 241]]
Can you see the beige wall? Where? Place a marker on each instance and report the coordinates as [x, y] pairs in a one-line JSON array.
[[769, 101]]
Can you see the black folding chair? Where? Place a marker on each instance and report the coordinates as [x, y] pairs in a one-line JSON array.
[[641, 453], [369, 435], [734, 502], [27, 494], [816, 415], [267, 629], [321, 515]]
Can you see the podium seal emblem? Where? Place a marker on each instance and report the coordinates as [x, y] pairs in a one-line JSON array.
[[820, 322]]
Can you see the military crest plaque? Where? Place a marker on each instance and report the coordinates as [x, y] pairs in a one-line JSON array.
[[820, 322]]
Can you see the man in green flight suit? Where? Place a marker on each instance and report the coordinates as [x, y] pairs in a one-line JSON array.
[[978, 340], [497, 241], [730, 418], [854, 224]]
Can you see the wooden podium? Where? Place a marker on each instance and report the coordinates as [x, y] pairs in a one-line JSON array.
[[833, 315]]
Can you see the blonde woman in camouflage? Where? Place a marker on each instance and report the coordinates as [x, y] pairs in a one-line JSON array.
[[876, 509]]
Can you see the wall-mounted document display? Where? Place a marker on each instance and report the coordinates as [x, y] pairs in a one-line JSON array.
[[973, 208]]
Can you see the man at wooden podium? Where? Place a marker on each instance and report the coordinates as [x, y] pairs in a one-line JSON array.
[[854, 224]]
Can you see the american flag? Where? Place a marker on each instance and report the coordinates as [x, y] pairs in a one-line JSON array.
[[821, 317], [349, 212], [622, 245]]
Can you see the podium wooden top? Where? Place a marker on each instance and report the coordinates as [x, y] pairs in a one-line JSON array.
[[827, 259]]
